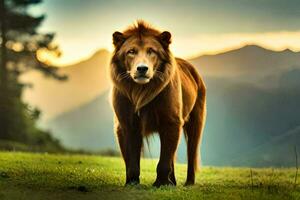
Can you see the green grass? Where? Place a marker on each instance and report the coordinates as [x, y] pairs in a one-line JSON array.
[[46, 176]]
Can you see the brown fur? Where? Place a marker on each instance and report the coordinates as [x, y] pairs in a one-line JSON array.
[[174, 99]]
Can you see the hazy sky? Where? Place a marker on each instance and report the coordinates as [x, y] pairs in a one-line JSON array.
[[197, 26]]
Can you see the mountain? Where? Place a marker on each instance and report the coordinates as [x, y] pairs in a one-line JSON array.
[[250, 63], [86, 80]]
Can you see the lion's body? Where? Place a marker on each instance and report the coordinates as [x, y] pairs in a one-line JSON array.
[[165, 106]]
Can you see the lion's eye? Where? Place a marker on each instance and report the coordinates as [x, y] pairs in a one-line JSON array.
[[150, 51], [131, 52]]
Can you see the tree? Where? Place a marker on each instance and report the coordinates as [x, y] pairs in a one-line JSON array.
[[21, 45]]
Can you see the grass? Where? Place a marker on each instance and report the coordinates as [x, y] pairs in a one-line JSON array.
[[47, 176]]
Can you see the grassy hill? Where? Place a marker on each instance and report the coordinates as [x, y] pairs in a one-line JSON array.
[[46, 176]]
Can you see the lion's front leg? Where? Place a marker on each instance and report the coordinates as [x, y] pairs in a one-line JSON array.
[[130, 142], [169, 138], [129, 136]]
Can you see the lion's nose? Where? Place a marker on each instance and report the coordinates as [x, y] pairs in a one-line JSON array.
[[142, 69]]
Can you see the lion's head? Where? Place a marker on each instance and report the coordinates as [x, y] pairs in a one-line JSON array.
[[141, 61], [141, 52]]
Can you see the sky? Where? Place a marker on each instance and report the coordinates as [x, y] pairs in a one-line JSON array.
[[198, 26]]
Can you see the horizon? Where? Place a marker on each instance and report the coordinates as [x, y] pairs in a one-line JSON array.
[[233, 48]]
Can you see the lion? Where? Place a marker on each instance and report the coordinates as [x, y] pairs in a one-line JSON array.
[[154, 92]]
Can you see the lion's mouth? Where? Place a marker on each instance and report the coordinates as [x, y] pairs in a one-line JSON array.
[[141, 76], [141, 79]]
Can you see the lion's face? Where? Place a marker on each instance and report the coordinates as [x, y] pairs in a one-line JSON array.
[[142, 55], [141, 58]]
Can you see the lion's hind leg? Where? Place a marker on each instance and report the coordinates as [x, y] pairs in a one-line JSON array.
[[193, 132]]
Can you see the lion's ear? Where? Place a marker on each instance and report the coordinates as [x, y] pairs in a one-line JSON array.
[[118, 39], [165, 38]]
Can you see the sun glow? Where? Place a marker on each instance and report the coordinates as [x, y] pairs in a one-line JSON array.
[[213, 44], [186, 47]]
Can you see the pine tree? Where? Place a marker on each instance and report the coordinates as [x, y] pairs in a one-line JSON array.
[[20, 47]]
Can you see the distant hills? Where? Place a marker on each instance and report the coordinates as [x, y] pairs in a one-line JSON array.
[[89, 126], [253, 110], [89, 78], [251, 63], [86, 80], [243, 117]]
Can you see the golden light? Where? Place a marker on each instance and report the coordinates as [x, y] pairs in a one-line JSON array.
[[187, 47], [47, 57]]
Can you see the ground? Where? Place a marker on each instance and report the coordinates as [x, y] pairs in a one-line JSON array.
[[46, 176]]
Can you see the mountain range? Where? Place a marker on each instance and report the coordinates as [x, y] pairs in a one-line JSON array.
[[250, 64], [253, 108]]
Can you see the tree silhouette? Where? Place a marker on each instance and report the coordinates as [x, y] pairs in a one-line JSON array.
[[21, 44]]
